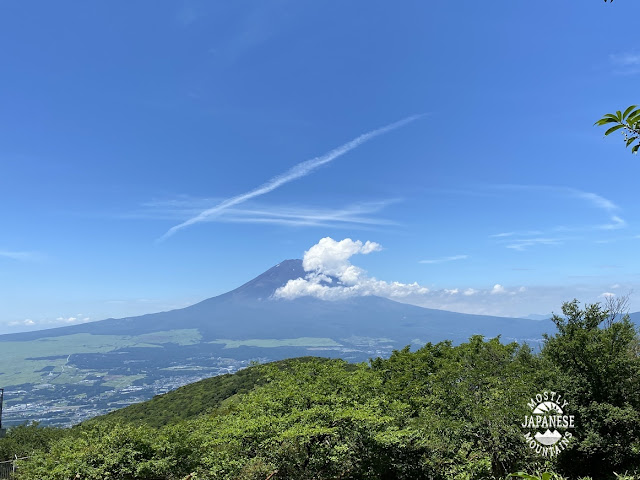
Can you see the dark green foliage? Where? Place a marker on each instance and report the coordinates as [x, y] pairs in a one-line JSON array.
[[598, 368], [107, 451], [188, 401], [467, 402], [193, 399], [23, 440]]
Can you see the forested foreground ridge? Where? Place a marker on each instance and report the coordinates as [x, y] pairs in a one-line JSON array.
[[441, 412]]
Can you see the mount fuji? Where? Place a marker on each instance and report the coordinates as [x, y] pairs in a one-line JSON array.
[[250, 311], [64, 375]]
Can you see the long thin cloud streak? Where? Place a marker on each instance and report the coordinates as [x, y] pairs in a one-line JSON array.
[[300, 170]]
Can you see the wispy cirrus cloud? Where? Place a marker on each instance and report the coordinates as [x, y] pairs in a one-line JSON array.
[[357, 215], [591, 198], [616, 223], [626, 58], [348, 217], [515, 234], [625, 63], [524, 243], [452, 258], [15, 255], [297, 171], [522, 240], [594, 199]]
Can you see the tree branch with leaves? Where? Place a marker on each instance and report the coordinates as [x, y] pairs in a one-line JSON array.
[[628, 122]]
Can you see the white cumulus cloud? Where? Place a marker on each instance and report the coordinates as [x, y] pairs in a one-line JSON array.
[[498, 289], [77, 319], [27, 322], [331, 276]]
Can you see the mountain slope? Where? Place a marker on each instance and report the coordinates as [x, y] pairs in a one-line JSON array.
[[67, 374], [250, 312]]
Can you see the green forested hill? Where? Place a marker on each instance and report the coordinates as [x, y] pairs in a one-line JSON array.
[[187, 401], [441, 412], [194, 399]]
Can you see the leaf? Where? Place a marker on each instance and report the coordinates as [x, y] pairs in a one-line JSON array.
[[604, 121], [619, 115], [613, 129], [634, 118], [628, 110], [635, 149], [631, 140]]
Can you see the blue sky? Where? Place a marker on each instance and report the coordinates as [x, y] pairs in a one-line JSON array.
[[121, 120]]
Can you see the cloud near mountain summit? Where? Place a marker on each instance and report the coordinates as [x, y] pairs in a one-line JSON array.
[[331, 276]]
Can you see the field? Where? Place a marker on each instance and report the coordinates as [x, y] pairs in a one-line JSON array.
[[47, 360]]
